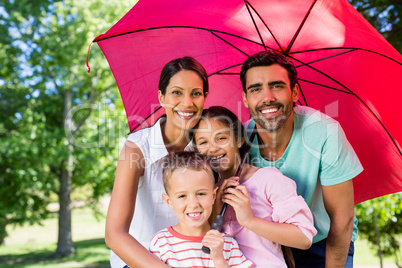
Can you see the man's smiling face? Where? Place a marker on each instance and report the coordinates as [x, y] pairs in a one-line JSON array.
[[269, 96]]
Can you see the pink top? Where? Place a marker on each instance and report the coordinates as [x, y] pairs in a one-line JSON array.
[[273, 197]]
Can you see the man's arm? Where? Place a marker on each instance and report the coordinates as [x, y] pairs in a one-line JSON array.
[[339, 203]]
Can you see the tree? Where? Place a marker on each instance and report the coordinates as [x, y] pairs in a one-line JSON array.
[[57, 131], [380, 222], [22, 196]]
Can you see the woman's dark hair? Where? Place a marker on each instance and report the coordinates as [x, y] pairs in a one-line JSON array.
[[267, 58], [174, 66]]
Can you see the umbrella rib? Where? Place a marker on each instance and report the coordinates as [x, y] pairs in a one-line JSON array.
[[380, 54], [266, 26], [230, 44], [324, 74], [351, 48], [255, 25], [325, 58], [99, 38], [389, 134], [355, 95], [302, 93], [131, 131], [299, 29], [318, 84], [224, 74], [219, 72]]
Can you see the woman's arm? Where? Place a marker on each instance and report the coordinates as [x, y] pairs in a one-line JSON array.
[[121, 211], [282, 233]]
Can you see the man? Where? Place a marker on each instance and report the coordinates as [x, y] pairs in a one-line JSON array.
[[308, 147]]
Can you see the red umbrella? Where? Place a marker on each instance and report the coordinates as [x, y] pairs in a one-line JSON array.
[[346, 68]]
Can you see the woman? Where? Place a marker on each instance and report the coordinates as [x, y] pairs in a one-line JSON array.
[[137, 211], [265, 211]]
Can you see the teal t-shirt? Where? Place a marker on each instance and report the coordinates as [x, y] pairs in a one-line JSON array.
[[318, 154]]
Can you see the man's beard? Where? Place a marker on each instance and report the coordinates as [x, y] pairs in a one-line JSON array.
[[271, 124]]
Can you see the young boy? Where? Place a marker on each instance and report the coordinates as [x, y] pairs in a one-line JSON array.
[[190, 192]]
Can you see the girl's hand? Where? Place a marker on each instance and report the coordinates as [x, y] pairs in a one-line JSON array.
[[239, 199], [223, 185], [214, 241]]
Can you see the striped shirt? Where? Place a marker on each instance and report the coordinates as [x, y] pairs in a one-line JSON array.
[[177, 250]]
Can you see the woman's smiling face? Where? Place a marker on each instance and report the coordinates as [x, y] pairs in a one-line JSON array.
[[184, 99]]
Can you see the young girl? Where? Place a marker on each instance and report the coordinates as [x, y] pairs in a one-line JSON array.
[[136, 211], [265, 211]]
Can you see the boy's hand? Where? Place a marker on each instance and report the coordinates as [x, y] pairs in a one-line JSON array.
[[214, 241], [239, 199]]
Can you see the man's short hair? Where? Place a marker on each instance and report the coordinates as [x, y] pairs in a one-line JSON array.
[[267, 58]]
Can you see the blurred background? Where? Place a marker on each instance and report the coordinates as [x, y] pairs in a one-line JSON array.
[[61, 130]]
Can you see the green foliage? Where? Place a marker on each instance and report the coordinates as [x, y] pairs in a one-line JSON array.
[[380, 222], [25, 184], [42, 71]]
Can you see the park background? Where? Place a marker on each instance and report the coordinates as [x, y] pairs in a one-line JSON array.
[[61, 131]]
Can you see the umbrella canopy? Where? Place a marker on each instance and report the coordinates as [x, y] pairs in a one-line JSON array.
[[346, 69]]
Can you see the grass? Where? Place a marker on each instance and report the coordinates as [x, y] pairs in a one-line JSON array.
[[364, 255], [32, 246], [89, 253]]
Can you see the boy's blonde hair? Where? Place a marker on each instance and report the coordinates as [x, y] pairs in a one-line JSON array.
[[184, 160]]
